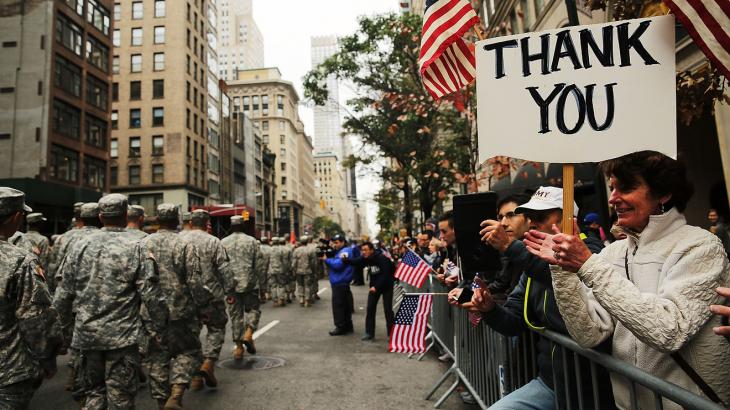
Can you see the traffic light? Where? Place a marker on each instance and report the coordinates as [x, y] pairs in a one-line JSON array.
[[245, 214]]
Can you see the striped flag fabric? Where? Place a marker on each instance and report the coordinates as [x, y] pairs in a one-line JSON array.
[[708, 23], [446, 62], [475, 317], [409, 328], [412, 269]]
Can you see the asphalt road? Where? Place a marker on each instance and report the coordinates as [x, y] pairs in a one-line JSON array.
[[319, 371]]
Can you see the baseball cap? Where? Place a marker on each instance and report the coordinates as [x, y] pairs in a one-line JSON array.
[[546, 197], [591, 218], [338, 237]]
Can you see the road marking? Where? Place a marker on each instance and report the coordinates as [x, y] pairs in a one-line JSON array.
[[321, 291], [265, 329]]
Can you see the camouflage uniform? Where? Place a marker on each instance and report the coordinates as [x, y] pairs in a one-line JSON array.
[[303, 268], [58, 249], [291, 284], [263, 269], [217, 275], [318, 268], [245, 263], [134, 212], [29, 330], [107, 278], [186, 297], [279, 271]]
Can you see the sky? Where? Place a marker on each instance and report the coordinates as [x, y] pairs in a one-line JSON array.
[[287, 27]]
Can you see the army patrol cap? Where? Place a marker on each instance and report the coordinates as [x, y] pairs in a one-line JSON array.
[[89, 210], [35, 218], [135, 211], [236, 220], [200, 216], [167, 212], [77, 209], [12, 201], [303, 238], [187, 216], [113, 205]]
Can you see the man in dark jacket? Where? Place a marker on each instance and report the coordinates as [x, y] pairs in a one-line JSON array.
[[380, 270], [340, 273], [532, 305]]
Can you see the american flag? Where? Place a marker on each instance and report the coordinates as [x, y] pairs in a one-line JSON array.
[[409, 328], [475, 317], [412, 269], [446, 62], [708, 22]]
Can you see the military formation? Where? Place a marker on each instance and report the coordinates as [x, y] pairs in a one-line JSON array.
[[119, 300]]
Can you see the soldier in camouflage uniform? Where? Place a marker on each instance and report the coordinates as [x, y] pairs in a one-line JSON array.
[[108, 277], [185, 228], [291, 284], [29, 331], [60, 246], [35, 224], [318, 268], [243, 305], [218, 277], [135, 221], [188, 301], [279, 272], [263, 273], [303, 268]]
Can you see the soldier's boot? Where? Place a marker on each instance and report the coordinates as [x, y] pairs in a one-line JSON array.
[[301, 301], [196, 383], [208, 370], [307, 303], [161, 404], [316, 297], [70, 380], [238, 352], [174, 402], [248, 340]]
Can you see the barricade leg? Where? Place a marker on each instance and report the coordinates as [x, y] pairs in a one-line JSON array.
[[441, 381], [447, 394], [430, 337]]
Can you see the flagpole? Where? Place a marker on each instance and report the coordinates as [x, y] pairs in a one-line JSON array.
[[427, 293]]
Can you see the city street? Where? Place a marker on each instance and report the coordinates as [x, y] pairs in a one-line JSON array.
[[319, 371]]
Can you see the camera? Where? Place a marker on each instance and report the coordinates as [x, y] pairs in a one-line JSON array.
[[324, 249]]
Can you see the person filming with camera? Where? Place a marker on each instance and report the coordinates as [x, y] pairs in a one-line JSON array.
[[340, 274]]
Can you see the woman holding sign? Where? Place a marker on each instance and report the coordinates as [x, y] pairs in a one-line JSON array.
[[651, 291]]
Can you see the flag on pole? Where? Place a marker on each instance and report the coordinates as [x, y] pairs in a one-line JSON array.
[[446, 62], [475, 317], [412, 269], [409, 329], [708, 22]]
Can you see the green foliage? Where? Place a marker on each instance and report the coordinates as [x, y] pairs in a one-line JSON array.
[[326, 226]]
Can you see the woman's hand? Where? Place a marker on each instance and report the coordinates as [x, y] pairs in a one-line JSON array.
[[722, 310], [567, 251]]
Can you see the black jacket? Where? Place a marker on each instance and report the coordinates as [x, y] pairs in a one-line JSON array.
[[535, 289], [380, 269]]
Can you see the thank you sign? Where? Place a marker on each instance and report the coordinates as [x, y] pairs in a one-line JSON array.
[[578, 94]]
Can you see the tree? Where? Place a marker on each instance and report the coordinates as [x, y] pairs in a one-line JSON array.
[[426, 140], [326, 226]]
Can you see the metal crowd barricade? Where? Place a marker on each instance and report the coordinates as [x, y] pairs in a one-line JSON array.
[[490, 365]]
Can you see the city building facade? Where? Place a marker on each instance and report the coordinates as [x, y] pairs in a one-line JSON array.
[[55, 86], [240, 43]]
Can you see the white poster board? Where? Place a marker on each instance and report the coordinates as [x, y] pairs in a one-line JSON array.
[[578, 94]]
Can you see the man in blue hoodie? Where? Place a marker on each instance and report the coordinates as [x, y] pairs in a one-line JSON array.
[[340, 273]]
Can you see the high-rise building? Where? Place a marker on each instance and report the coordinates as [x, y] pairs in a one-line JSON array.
[[272, 103], [55, 82], [327, 120], [240, 43], [159, 117]]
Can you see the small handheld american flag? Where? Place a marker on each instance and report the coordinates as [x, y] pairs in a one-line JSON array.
[[412, 269], [409, 327], [475, 317]]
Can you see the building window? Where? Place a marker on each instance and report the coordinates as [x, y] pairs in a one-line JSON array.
[[159, 61], [113, 175], [282, 124], [265, 139], [69, 34], [135, 118], [117, 38], [77, 6], [97, 54], [134, 175], [280, 105], [158, 174], [137, 10], [66, 119], [159, 8], [137, 36], [114, 148], [282, 139], [98, 16], [135, 90], [94, 172], [136, 60], [160, 35], [117, 11], [283, 180], [97, 92], [283, 166], [158, 116], [239, 172], [264, 125], [96, 131], [158, 145], [246, 101], [265, 104], [149, 202], [115, 119], [214, 164], [213, 187], [187, 124], [135, 147], [64, 164], [255, 107], [158, 88], [67, 76]]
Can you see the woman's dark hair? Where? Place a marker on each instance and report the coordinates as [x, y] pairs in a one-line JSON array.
[[663, 176]]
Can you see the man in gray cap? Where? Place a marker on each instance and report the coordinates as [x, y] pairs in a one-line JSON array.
[[217, 275], [58, 252], [263, 273], [29, 328], [303, 268], [33, 241], [186, 227], [243, 305], [188, 301], [135, 221], [279, 272], [107, 277]]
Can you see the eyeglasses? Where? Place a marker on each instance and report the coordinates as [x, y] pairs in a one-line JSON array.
[[508, 215]]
